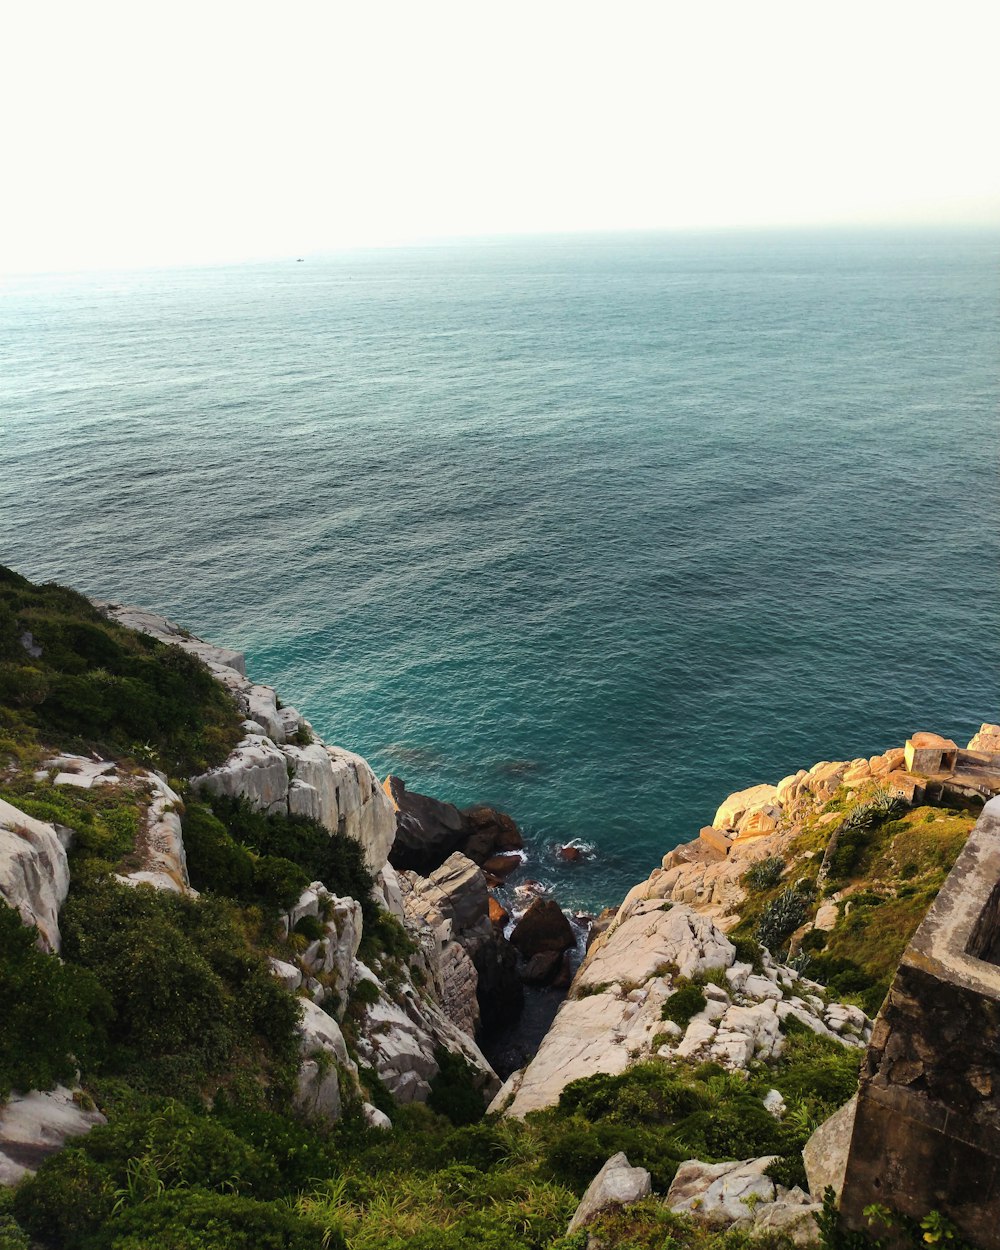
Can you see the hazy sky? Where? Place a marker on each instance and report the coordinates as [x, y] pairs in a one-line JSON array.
[[146, 132]]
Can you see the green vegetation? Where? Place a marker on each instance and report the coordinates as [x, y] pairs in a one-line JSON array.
[[53, 1013], [95, 685], [885, 862], [193, 1003], [214, 1177], [686, 1001], [764, 874]]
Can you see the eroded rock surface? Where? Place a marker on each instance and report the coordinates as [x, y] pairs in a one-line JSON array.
[[34, 872], [36, 1125], [613, 1015], [617, 1184]]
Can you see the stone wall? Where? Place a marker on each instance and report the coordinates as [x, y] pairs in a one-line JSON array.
[[927, 1132]]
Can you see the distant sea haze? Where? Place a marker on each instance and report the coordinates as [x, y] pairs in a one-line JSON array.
[[596, 529]]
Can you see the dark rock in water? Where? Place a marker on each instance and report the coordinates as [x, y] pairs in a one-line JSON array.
[[543, 968], [499, 915], [429, 830], [543, 927], [570, 853], [501, 865], [497, 826], [565, 974]]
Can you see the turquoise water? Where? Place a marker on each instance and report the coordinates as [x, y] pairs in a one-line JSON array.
[[596, 529]]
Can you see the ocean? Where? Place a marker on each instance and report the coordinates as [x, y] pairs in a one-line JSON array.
[[595, 529]]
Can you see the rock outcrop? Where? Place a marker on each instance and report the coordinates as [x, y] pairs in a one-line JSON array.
[[617, 1184], [614, 1015], [34, 872], [479, 985], [36, 1125], [429, 830], [742, 1195], [281, 765]]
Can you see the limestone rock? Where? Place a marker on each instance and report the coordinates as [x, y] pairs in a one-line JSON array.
[[325, 1062], [163, 862], [795, 1220], [262, 707], [375, 1118], [617, 1184], [256, 771], [825, 1153], [166, 631], [543, 927], [744, 803], [649, 938], [36, 1125], [34, 872], [721, 1194]]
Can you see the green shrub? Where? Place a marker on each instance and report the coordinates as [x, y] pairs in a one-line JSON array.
[[686, 1001], [53, 1015], [70, 1197], [12, 1235], [169, 1145], [278, 882], [215, 860], [648, 1093], [748, 952], [96, 683], [453, 1091], [310, 927], [199, 1220], [333, 858], [780, 919], [765, 874], [789, 1170], [190, 997]]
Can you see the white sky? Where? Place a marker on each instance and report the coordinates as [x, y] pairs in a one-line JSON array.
[[159, 133]]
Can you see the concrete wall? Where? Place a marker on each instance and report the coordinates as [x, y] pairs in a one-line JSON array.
[[927, 1132]]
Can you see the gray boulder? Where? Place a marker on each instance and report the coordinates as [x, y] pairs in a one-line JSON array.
[[617, 1184], [825, 1153]]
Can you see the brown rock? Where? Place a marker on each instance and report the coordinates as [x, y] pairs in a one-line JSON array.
[[564, 975], [502, 865], [542, 969], [496, 825], [498, 913], [543, 927], [570, 853]]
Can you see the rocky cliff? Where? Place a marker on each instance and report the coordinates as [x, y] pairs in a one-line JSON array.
[[213, 930]]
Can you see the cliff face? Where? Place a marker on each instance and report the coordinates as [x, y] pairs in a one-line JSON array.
[[414, 1000], [810, 865]]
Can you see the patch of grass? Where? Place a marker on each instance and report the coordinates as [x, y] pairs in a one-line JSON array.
[[98, 685]]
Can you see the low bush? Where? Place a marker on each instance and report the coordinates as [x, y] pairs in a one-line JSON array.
[[764, 875], [686, 1001], [191, 1000], [98, 684], [200, 1220], [53, 1015], [453, 1091]]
